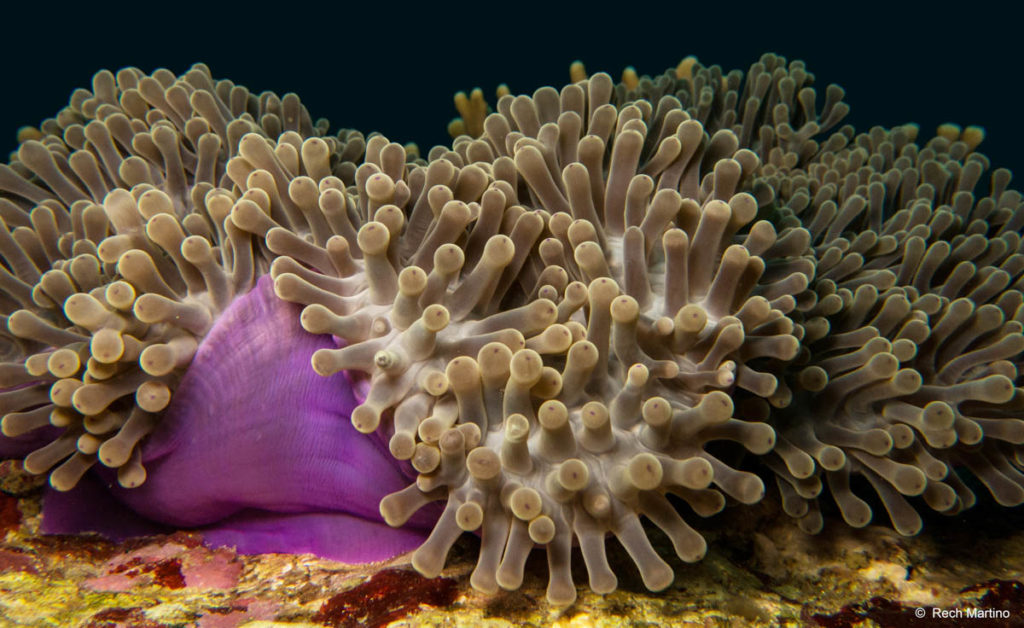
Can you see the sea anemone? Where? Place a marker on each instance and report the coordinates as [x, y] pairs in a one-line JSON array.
[[125, 263], [574, 317]]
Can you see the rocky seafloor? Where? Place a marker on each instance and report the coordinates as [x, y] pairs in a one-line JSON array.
[[760, 570]]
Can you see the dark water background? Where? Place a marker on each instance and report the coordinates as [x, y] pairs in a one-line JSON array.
[[384, 67]]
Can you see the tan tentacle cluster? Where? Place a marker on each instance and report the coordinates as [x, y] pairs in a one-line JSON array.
[[915, 330], [124, 240], [915, 275], [772, 108], [550, 346], [916, 395]]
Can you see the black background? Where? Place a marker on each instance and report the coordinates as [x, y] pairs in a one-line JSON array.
[[388, 68]]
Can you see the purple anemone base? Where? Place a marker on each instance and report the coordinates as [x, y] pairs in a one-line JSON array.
[[256, 451]]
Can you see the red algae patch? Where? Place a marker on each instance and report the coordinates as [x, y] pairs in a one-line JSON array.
[[138, 572], [117, 617], [386, 597], [10, 514]]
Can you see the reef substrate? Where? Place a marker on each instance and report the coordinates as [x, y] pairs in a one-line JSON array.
[[759, 571]]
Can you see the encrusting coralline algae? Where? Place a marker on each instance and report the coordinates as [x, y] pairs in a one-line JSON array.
[[576, 316]]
